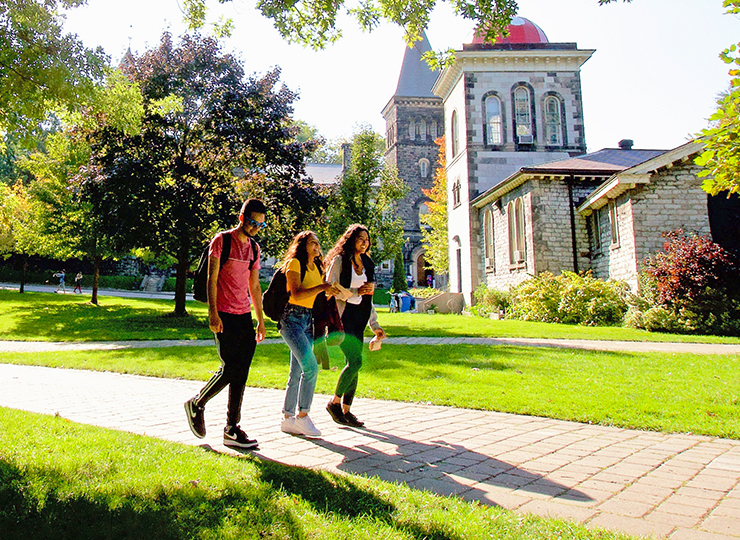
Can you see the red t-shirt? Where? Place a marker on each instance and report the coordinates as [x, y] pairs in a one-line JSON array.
[[233, 279]]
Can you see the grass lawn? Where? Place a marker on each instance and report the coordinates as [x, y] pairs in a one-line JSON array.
[[655, 391], [50, 317], [75, 481]]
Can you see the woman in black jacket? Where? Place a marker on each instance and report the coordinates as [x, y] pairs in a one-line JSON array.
[[350, 265]]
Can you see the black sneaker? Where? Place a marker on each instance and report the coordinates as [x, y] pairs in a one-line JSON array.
[[351, 420], [234, 437], [335, 410], [196, 419]]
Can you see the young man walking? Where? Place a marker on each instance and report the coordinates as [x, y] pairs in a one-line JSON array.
[[233, 293]]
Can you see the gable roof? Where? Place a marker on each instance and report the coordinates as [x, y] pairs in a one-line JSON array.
[[601, 164], [641, 173]]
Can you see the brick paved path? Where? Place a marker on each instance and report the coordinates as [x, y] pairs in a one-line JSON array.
[[671, 486]]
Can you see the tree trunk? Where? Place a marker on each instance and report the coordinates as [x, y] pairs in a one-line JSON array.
[[96, 275], [24, 267], [183, 264]]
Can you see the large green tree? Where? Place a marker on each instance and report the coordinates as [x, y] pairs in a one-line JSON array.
[[209, 135], [367, 194], [721, 157], [41, 67]]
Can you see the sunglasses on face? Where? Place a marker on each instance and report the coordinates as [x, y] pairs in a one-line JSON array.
[[253, 223]]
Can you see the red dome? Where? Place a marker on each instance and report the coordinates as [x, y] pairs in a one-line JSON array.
[[521, 30]]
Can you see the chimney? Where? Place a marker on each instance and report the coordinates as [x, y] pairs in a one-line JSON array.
[[626, 144]]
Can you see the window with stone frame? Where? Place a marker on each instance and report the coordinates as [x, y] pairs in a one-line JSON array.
[[553, 122], [494, 124], [423, 129], [596, 231], [456, 193], [613, 223], [455, 139], [412, 129], [424, 167], [433, 130], [523, 115], [517, 248], [489, 241]]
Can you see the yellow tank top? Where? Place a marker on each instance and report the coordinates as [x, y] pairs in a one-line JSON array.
[[311, 279]]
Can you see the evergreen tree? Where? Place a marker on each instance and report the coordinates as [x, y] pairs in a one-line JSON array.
[[399, 276]]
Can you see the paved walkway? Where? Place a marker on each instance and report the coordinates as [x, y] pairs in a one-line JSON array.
[[671, 486]]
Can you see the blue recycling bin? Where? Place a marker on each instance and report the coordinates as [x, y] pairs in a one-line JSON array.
[[405, 302]]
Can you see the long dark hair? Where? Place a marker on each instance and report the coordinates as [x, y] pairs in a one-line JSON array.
[[345, 246], [297, 250]]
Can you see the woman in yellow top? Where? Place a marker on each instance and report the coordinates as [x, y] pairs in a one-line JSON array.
[[304, 275]]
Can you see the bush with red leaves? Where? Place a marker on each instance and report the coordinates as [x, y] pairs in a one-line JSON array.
[[699, 281]]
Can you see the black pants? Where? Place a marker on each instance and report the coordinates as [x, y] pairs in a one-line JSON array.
[[235, 346], [354, 321]]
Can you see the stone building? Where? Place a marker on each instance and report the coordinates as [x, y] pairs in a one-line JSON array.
[[513, 104], [414, 119], [524, 198]]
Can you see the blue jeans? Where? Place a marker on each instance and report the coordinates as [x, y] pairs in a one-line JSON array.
[[296, 327]]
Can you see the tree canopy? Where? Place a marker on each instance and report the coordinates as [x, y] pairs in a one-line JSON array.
[[434, 232], [721, 157], [40, 66], [208, 135]]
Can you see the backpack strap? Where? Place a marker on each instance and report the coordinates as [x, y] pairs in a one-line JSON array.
[[254, 252], [225, 248]]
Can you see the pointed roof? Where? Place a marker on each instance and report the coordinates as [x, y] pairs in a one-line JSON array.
[[416, 78]]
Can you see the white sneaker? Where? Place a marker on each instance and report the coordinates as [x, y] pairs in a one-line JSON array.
[[288, 425], [304, 426]]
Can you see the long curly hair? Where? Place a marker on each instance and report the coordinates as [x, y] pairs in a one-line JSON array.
[[297, 250], [345, 246]]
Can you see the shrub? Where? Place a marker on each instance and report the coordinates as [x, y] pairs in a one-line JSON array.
[[570, 298], [490, 300], [127, 283], [697, 280], [424, 292]]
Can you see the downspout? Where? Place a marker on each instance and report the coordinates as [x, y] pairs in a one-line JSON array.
[[571, 206]]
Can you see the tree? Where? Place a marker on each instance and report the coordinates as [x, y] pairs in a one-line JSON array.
[[208, 136], [40, 66], [367, 194], [326, 152], [399, 275], [314, 24], [71, 224], [721, 156], [434, 235]]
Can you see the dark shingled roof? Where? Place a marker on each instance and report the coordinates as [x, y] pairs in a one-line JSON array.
[[416, 78], [605, 161]]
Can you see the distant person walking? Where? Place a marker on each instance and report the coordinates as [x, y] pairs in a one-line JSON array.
[[233, 290], [61, 275], [78, 282], [350, 265], [303, 271]]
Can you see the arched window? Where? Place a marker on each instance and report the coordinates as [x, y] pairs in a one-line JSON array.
[[488, 240], [412, 129], [515, 214], [424, 167], [455, 134], [553, 122], [433, 130], [423, 129], [523, 115], [493, 120]]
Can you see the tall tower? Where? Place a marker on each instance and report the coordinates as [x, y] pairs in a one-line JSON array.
[[414, 119], [513, 104]]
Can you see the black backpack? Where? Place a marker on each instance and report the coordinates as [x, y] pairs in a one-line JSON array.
[[200, 279], [276, 296]]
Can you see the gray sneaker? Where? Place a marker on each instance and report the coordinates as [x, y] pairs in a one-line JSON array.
[[196, 418]]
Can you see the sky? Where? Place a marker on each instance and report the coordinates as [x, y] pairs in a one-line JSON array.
[[654, 77]]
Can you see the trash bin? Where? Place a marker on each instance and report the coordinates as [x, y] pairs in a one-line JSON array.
[[405, 302]]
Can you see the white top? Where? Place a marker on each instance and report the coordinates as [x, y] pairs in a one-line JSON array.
[[357, 282]]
